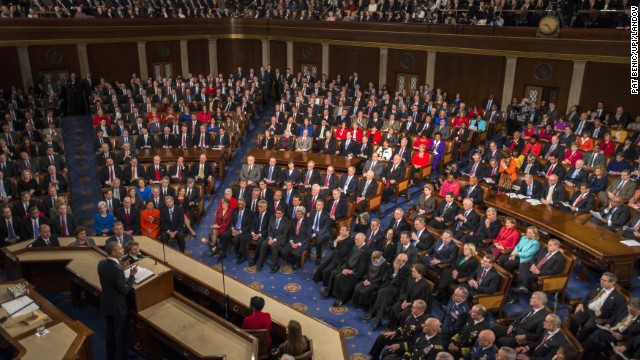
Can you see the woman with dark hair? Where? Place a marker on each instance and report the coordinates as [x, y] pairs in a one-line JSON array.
[[258, 320], [418, 288], [81, 238], [295, 344]]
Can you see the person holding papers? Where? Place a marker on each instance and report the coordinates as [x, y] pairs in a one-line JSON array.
[[530, 187], [581, 202], [612, 217], [631, 230]]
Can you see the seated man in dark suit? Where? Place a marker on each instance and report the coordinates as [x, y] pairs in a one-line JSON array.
[[622, 328], [476, 168], [337, 207], [420, 235], [547, 345], [614, 216], [46, 239], [631, 230], [172, 223], [222, 140], [367, 189], [64, 224], [485, 279], [553, 192], [487, 228], [466, 219], [526, 327], [530, 187], [348, 184], [394, 173], [531, 165], [129, 216], [405, 247], [239, 229], [601, 304], [299, 238], [548, 261], [553, 167], [277, 236], [271, 173], [472, 191], [9, 227], [553, 148], [581, 202], [321, 225], [444, 251], [347, 147], [445, 212], [374, 235], [202, 171], [576, 174], [328, 182]]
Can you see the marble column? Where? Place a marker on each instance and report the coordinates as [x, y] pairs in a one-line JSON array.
[[184, 57], [266, 53], [324, 69], [25, 67], [83, 59], [382, 71], [507, 86], [213, 56], [142, 59], [431, 68], [290, 56], [577, 77]]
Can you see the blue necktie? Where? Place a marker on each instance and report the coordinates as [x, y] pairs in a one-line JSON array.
[[239, 223], [277, 223], [36, 231]]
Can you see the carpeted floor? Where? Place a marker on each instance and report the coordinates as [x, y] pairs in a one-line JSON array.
[[295, 288]]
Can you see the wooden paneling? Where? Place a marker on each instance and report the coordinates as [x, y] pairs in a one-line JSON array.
[[608, 83], [164, 52], [405, 61], [9, 69], [278, 55], [560, 78], [346, 60], [56, 57], [198, 51], [473, 76], [309, 53], [234, 53], [105, 62]]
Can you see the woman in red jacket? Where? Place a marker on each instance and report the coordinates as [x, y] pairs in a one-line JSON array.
[[607, 146], [419, 160], [220, 225], [375, 136], [506, 240], [258, 320]]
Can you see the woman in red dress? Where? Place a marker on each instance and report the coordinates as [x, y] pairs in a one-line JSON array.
[[607, 147], [572, 155], [460, 119], [341, 132], [258, 320], [204, 115], [375, 136], [422, 140], [233, 203], [506, 240], [419, 160], [220, 225], [99, 116]]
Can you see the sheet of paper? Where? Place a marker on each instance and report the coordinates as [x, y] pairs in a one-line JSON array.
[[489, 180], [534, 202], [14, 305], [630, 242], [142, 274], [596, 215], [565, 203]]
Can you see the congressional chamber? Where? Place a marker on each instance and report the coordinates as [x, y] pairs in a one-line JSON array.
[[363, 181]]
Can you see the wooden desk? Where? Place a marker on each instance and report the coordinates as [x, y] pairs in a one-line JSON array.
[[201, 280], [216, 156], [323, 161], [67, 338], [590, 242]]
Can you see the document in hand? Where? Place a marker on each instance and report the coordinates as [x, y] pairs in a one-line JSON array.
[[142, 274]]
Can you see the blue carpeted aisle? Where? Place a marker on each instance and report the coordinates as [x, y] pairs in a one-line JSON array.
[[83, 175]]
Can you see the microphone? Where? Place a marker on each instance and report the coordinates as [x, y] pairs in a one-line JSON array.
[[164, 256], [5, 318]]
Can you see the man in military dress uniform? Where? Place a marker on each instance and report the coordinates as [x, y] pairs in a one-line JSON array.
[[429, 344], [484, 348], [462, 342], [399, 341]]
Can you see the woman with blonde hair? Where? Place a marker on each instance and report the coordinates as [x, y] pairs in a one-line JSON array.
[[464, 266], [527, 247], [295, 344]]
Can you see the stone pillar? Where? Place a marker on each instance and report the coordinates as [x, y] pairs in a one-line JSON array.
[[382, 71], [213, 56], [290, 57], [324, 69], [84, 59], [507, 86], [25, 67], [431, 68], [142, 59], [184, 58], [576, 84], [266, 54]]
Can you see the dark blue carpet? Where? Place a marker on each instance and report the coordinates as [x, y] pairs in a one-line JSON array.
[[83, 174]]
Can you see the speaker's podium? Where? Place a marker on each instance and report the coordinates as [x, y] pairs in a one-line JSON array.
[[163, 323]]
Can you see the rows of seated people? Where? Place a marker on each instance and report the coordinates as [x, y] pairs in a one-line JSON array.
[[34, 188]]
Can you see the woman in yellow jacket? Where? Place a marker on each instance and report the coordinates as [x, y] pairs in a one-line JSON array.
[[507, 173]]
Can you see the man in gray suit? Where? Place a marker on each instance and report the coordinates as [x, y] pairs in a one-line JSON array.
[[594, 159], [374, 165], [622, 187], [444, 130], [250, 171], [304, 143]]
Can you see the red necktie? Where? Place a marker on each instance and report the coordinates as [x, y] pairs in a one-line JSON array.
[[578, 200], [550, 170], [546, 335], [179, 173], [202, 140], [110, 174], [298, 227], [158, 173], [63, 226], [333, 208], [543, 260], [326, 182], [184, 140]]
